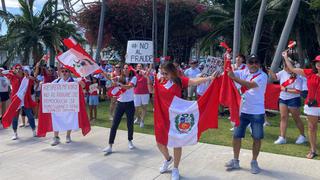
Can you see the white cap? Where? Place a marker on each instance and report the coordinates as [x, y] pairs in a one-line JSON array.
[[27, 68]]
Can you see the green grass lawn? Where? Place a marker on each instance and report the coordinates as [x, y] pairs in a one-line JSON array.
[[223, 135]]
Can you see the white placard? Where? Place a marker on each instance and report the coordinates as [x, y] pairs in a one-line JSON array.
[[213, 64], [139, 52], [60, 97]]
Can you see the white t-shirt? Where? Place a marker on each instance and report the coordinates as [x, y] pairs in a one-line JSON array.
[[283, 76], [192, 73], [128, 95], [201, 88], [304, 83], [252, 101], [4, 84]]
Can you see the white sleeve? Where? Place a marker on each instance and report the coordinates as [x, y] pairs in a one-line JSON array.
[[298, 84], [238, 73], [279, 74], [134, 81]]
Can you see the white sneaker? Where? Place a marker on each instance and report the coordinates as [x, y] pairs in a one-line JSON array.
[[111, 118], [141, 124], [130, 145], [136, 121], [34, 133], [15, 136], [232, 129], [107, 150], [165, 166], [68, 139], [280, 140], [301, 139], [175, 174]]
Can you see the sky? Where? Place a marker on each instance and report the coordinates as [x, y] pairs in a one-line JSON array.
[[13, 7]]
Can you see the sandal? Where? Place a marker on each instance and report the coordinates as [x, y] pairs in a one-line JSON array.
[[311, 155]]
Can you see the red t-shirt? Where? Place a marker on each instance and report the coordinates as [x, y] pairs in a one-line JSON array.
[[48, 78], [142, 85], [313, 83], [174, 89]]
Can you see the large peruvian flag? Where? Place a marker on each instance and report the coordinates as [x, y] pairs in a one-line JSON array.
[[63, 121], [79, 64], [179, 122], [21, 98]]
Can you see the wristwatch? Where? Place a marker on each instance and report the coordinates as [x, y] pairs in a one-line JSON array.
[[286, 89]]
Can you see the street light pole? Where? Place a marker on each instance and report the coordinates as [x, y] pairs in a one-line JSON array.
[[100, 33], [237, 30], [257, 32], [154, 29], [166, 27]]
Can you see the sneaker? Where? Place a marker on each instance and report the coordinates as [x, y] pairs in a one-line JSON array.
[[254, 167], [22, 125], [34, 133], [301, 139], [232, 129], [27, 125], [141, 124], [266, 123], [107, 150], [68, 139], [130, 145], [56, 141], [175, 174], [136, 121], [233, 164], [280, 140], [15, 136], [165, 166]]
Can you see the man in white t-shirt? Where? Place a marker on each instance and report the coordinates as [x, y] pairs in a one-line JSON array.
[[253, 83], [192, 72]]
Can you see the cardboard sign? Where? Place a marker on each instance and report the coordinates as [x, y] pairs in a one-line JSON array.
[[60, 97], [139, 52], [213, 64]]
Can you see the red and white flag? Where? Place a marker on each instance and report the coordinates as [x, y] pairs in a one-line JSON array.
[[21, 98], [179, 122], [79, 64], [63, 121]]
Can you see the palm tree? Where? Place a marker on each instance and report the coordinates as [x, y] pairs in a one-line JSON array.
[[30, 34]]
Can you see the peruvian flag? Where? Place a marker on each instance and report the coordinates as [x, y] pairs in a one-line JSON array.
[[179, 122], [63, 121], [21, 98], [79, 64], [115, 91]]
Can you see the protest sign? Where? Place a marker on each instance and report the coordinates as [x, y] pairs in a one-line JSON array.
[[60, 97], [139, 52], [213, 64]]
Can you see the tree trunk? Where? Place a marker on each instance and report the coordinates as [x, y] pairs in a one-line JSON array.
[[317, 28], [101, 26], [299, 47], [166, 27], [237, 30], [285, 35], [4, 8], [257, 32]]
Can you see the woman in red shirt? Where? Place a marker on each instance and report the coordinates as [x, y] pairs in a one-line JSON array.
[[173, 83], [312, 103]]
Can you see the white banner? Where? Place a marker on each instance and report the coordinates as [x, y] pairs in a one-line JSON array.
[[60, 97], [139, 52]]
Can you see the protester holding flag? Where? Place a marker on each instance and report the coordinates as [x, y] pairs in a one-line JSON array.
[[21, 100], [289, 101], [125, 83], [172, 84], [253, 82], [113, 99], [312, 103], [65, 76]]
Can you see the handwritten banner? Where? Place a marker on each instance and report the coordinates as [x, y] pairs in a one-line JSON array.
[[60, 97], [139, 52], [213, 64]]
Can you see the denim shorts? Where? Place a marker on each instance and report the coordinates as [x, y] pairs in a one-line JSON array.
[[93, 100], [291, 103], [256, 122]]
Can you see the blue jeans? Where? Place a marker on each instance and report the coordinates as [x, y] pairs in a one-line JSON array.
[[256, 122], [29, 114]]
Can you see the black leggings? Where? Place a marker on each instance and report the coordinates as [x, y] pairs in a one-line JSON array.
[[122, 107]]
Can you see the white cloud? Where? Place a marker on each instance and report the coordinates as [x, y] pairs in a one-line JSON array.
[[12, 4]]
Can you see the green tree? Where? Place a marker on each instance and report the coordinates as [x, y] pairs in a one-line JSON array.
[[31, 34]]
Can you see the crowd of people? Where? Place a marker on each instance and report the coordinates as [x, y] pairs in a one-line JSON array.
[[184, 81]]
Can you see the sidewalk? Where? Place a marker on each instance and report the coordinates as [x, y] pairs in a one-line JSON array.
[[34, 158]]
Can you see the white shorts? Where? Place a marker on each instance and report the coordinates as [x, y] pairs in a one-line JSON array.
[[312, 111], [141, 99]]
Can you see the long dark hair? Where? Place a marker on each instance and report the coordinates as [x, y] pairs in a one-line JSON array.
[[313, 65], [122, 78], [170, 68]]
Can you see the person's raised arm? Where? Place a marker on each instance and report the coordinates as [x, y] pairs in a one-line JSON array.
[[247, 84], [290, 66], [200, 80]]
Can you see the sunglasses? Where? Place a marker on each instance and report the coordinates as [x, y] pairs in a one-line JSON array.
[[253, 62], [117, 67]]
